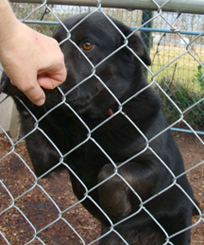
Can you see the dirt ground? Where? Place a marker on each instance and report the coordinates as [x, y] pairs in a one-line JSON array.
[[39, 211]]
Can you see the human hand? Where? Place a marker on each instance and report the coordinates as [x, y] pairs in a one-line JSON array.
[[32, 60]]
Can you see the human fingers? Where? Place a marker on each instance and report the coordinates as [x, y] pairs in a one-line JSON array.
[[32, 90], [53, 78], [36, 95]]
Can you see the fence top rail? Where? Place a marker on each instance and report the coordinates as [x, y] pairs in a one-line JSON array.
[[183, 6]]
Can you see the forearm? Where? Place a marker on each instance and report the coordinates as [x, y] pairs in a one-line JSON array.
[[8, 22]]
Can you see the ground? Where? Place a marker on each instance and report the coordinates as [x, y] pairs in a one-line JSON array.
[[46, 210]]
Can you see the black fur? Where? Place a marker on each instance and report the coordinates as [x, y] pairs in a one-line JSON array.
[[146, 173]]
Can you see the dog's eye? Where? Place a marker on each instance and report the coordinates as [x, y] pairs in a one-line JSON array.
[[87, 45]]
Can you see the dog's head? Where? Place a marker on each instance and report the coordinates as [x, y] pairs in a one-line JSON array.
[[100, 52]]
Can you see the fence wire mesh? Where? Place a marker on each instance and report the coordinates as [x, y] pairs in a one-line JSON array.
[[38, 210]]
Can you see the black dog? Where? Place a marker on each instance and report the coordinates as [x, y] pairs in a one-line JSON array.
[[119, 165]]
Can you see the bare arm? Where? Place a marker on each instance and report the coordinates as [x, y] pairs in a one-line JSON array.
[[30, 59]]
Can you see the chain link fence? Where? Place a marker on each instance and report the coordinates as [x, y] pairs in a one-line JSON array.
[[37, 210]]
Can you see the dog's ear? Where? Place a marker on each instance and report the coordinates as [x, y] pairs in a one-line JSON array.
[[136, 43]]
